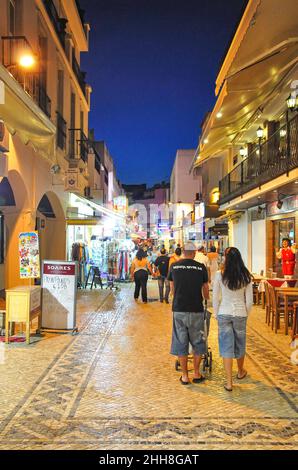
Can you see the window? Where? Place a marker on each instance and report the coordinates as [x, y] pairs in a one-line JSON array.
[[12, 18], [60, 92]]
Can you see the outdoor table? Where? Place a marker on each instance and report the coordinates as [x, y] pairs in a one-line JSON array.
[[287, 292]]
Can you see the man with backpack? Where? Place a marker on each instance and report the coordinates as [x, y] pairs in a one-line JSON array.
[[162, 265]]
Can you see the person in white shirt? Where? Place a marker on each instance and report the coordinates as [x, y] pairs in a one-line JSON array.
[[232, 302], [203, 259]]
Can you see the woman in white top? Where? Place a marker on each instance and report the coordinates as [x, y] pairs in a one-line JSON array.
[[232, 302]]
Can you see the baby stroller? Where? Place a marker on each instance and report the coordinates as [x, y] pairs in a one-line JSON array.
[[207, 357]]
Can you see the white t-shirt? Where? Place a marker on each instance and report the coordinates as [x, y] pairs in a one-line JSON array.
[[236, 303], [203, 259]]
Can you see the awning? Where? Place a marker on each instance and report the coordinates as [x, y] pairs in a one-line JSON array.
[[22, 116], [256, 75], [243, 97]]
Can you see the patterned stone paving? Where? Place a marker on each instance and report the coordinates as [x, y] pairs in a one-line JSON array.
[[114, 386]]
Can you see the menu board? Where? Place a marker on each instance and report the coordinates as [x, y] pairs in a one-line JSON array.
[[59, 288], [29, 255]]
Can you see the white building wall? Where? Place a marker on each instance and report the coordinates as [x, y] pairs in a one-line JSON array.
[[258, 246], [238, 236]]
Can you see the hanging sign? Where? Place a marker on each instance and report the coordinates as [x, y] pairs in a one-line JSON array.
[[59, 289], [29, 255], [72, 179]]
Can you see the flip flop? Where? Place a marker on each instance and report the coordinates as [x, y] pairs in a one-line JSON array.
[[197, 380], [243, 376], [228, 389], [182, 381]]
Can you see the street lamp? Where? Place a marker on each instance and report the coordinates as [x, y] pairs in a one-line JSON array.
[[292, 102], [242, 151], [27, 61], [260, 132]]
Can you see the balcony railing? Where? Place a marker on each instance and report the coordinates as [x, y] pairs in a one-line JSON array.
[[61, 131], [273, 158], [13, 47], [78, 73], [58, 23], [79, 145]]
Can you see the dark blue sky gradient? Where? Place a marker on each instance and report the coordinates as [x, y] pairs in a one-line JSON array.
[[152, 66]]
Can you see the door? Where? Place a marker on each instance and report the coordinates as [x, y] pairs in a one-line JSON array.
[[284, 228]]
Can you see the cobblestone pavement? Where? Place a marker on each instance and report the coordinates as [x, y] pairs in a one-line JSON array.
[[114, 386]]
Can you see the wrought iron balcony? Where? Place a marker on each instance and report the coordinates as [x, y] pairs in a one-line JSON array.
[[61, 131], [79, 145], [273, 158], [58, 23], [13, 49], [78, 73]]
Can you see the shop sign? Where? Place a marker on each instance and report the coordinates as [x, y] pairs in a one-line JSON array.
[[120, 204], [72, 179], [59, 287], [199, 211], [290, 204], [29, 255]]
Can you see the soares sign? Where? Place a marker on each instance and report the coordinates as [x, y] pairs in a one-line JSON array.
[[59, 269]]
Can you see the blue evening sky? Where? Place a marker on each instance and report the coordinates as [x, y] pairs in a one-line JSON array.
[[152, 65]]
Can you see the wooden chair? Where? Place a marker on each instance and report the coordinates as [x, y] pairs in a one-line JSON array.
[[295, 321], [256, 293], [267, 303], [277, 309]]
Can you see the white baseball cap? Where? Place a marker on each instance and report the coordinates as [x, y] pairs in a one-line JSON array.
[[189, 246]]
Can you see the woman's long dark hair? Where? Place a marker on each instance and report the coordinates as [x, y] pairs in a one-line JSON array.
[[235, 275], [141, 254]]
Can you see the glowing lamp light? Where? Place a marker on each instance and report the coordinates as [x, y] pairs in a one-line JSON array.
[[206, 141], [27, 61], [260, 132], [242, 151], [219, 115], [283, 133], [292, 102]]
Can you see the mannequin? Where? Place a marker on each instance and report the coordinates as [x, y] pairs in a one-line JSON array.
[[287, 256]]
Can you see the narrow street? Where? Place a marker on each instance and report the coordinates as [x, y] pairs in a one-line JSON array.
[[114, 386]]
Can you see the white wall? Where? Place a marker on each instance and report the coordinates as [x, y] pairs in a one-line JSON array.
[[258, 250], [238, 232]]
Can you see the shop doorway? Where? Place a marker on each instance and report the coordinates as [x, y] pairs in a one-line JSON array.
[[283, 228], [50, 224]]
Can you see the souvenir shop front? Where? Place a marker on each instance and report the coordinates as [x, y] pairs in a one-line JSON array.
[[97, 238]]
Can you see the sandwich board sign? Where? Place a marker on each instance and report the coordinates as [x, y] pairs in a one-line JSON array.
[[59, 292]]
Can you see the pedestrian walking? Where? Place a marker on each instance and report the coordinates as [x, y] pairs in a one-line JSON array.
[[232, 302], [139, 273], [162, 265], [213, 263], [175, 257], [203, 259], [189, 283]]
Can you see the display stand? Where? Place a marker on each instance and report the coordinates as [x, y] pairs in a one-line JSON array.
[[59, 282], [95, 276]]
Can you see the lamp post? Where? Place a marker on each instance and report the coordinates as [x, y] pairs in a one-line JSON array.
[[260, 133]]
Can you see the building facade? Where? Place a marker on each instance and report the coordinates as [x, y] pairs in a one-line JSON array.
[[251, 133], [49, 167]]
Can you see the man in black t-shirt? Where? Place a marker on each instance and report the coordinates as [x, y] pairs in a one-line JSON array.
[[162, 264], [189, 282]]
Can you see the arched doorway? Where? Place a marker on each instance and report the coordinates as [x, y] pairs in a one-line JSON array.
[[50, 224], [16, 217]]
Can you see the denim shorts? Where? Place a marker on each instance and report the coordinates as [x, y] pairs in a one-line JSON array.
[[188, 327], [231, 336]]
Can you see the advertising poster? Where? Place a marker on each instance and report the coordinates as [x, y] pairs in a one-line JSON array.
[[59, 287], [29, 255]]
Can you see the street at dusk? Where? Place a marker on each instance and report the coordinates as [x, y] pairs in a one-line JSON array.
[[148, 230]]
